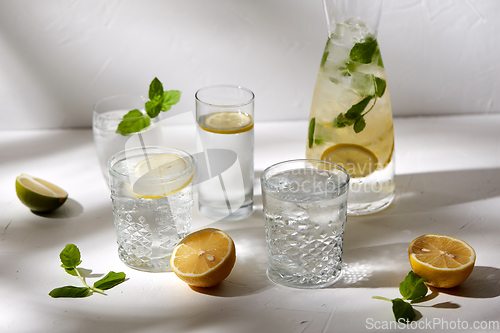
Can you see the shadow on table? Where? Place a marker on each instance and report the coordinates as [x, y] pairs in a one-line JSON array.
[[71, 208], [423, 192], [484, 282]]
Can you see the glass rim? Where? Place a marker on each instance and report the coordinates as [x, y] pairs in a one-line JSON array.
[[344, 183], [184, 155], [108, 98], [236, 87]]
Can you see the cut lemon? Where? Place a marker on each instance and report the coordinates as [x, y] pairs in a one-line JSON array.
[[161, 175], [357, 160], [39, 195], [444, 261], [227, 122], [204, 258]]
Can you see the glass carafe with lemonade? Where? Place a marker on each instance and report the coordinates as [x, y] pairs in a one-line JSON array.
[[350, 122]]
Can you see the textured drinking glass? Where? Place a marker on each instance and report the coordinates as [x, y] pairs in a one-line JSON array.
[[225, 169], [305, 211], [152, 199], [107, 114]]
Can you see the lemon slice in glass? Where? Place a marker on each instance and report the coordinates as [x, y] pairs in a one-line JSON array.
[[227, 122], [357, 160], [161, 175], [39, 195]]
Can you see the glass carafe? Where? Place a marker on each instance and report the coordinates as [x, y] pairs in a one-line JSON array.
[[350, 121]]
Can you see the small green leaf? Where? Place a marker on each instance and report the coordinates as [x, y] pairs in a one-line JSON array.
[[110, 280], [403, 311], [70, 292], [153, 108], [355, 111], [363, 52], [70, 271], [413, 287], [70, 256], [318, 141], [155, 89], [134, 121], [380, 85], [359, 125], [170, 98], [310, 135]]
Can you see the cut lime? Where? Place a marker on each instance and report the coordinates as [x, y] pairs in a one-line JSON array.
[[39, 195], [227, 122], [161, 175], [357, 160]]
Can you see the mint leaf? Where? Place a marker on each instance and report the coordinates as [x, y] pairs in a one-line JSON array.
[[70, 292], [413, 287], [70, 256], [363, 52], [133, 121], [355, 111], [155, 89], [170, 98], [70, 271], [403, 311], [310, 133], [153, 108], [359, 125], [110, 280], [380, 85]]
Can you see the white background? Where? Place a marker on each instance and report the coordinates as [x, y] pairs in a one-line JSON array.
[[58, 57]]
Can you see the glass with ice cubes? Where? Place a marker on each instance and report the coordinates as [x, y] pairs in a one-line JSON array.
[[305, 211]]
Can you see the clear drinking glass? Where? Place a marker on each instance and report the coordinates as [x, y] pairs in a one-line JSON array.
[[225, 117], [152, 199], [305, 211], [107, 114]]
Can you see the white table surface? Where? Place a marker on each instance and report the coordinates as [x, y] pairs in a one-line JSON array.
[[448, 182]]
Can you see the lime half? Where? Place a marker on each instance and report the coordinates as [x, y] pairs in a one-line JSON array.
[[39, 195]]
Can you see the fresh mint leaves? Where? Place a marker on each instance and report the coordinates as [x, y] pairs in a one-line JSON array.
[[310, 134], [412, 289], [364, 53], [159, 101], [71, 258]]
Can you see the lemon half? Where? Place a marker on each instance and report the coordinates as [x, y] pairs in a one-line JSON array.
[[444, 261], [39, 195], [357, 160], [204, 258]]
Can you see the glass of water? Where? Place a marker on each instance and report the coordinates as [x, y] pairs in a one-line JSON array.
[[152, 199], [225, 120], [107, 114], [305, 211]]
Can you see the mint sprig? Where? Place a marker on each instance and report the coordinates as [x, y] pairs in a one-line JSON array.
[[159, 101], [71, 258], [364, 52], [412, 289]]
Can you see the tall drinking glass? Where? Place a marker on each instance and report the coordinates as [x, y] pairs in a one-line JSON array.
[[225, 117], [107, 114], [305, 211], [152, 198]]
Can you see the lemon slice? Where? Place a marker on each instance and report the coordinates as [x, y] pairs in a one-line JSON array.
[[357, 160], [39, 195], [204, 258], [444, 261], [160, 176], [227, 122]]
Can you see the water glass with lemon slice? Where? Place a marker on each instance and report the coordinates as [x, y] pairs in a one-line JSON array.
[[224, 115], [152, 199]]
